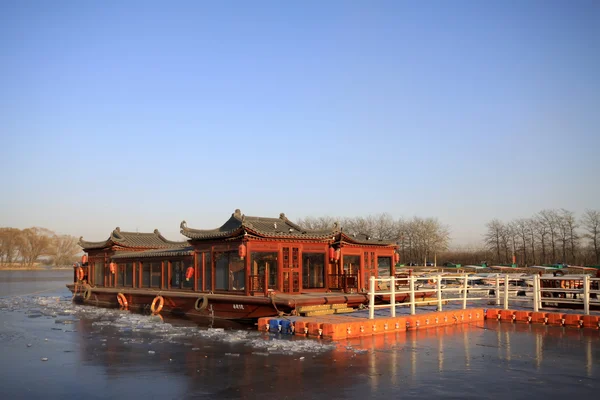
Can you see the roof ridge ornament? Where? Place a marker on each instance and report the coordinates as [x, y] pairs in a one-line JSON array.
[[156, 232], [118, 229], [282, 216], [183, 225], [237, 213]]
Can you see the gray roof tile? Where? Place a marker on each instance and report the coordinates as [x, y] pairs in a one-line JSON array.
[[151, 240], [262, 226]]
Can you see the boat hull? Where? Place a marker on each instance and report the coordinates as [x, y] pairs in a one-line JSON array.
[[207, 305]]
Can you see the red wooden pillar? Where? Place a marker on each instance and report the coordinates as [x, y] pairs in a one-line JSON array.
[[196, 271], [133, 280], [203, 272], [247, 268]]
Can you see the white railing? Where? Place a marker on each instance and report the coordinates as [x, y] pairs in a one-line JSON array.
[[578, 285]]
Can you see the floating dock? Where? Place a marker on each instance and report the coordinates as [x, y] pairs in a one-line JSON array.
[[332, 325]]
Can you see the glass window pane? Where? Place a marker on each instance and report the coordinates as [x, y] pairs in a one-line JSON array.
[[156, 274], [237, 272], [259, 262], [351, 265], [176, 274], [221, 271], [384, 266], [208, 271], [313, 270], [99, 273], [128, 275], [145, 274]]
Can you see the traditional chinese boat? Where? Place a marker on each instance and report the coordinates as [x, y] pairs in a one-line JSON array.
[[248, 268]]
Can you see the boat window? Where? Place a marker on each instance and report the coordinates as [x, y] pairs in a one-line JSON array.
[[384, 266], [259, 263], [125, 275], [351, 265], [207, 271], [230, 272], [313, 270], [151, 274], [99, 273], [176, 274]]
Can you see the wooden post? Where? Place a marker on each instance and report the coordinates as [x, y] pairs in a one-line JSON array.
[[506, 291], [266, 280], [536, 293], [412, 295], [438, 285], [465, 292], [196, 271], [371, 297], [586, 294], [497, 290], [393, 294]]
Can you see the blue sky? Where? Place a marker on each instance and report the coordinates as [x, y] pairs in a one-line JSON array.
[[142, 114]]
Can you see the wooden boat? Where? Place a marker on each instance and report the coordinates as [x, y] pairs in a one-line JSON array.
[[248, 268]]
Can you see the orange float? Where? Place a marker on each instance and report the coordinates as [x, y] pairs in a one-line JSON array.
[[157, 304], [122, 300]]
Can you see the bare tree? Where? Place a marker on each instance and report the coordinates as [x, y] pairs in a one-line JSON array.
[[542, 231], [591, 223], [531, 229], [521, 227], [493, 237], [316, 223], [63, 250], [33, 243], [9, 249], [551, 221], [569, 225]]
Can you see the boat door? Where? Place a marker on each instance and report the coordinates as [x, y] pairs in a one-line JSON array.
[[291, 270]]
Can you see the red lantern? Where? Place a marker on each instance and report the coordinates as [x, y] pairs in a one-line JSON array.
[[113, 267], [338, 253], [189, 273], [84, 259], [331, 253], [396, 258], [242, 251]]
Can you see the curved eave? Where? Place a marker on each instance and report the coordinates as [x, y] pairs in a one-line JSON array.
[[371, 242], [153, 254], [209, 235], [292, 236], [85, 245]]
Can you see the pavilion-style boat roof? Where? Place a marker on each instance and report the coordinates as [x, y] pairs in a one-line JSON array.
[[279, 228], [239, 225], [134, 240], [362, 238]]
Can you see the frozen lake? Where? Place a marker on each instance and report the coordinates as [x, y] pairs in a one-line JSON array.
[[102, 353]]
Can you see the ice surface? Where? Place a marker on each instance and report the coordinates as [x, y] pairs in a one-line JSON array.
[[138, 329]]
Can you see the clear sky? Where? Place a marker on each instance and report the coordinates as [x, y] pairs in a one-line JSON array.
[[140, 114]]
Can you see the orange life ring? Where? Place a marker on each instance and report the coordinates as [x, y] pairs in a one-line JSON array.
[[122, 300], [154, 308], [431, 282], [80, 274]]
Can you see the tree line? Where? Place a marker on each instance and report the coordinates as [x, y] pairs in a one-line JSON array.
[[550, 236], [419, 239], [26, 247]]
